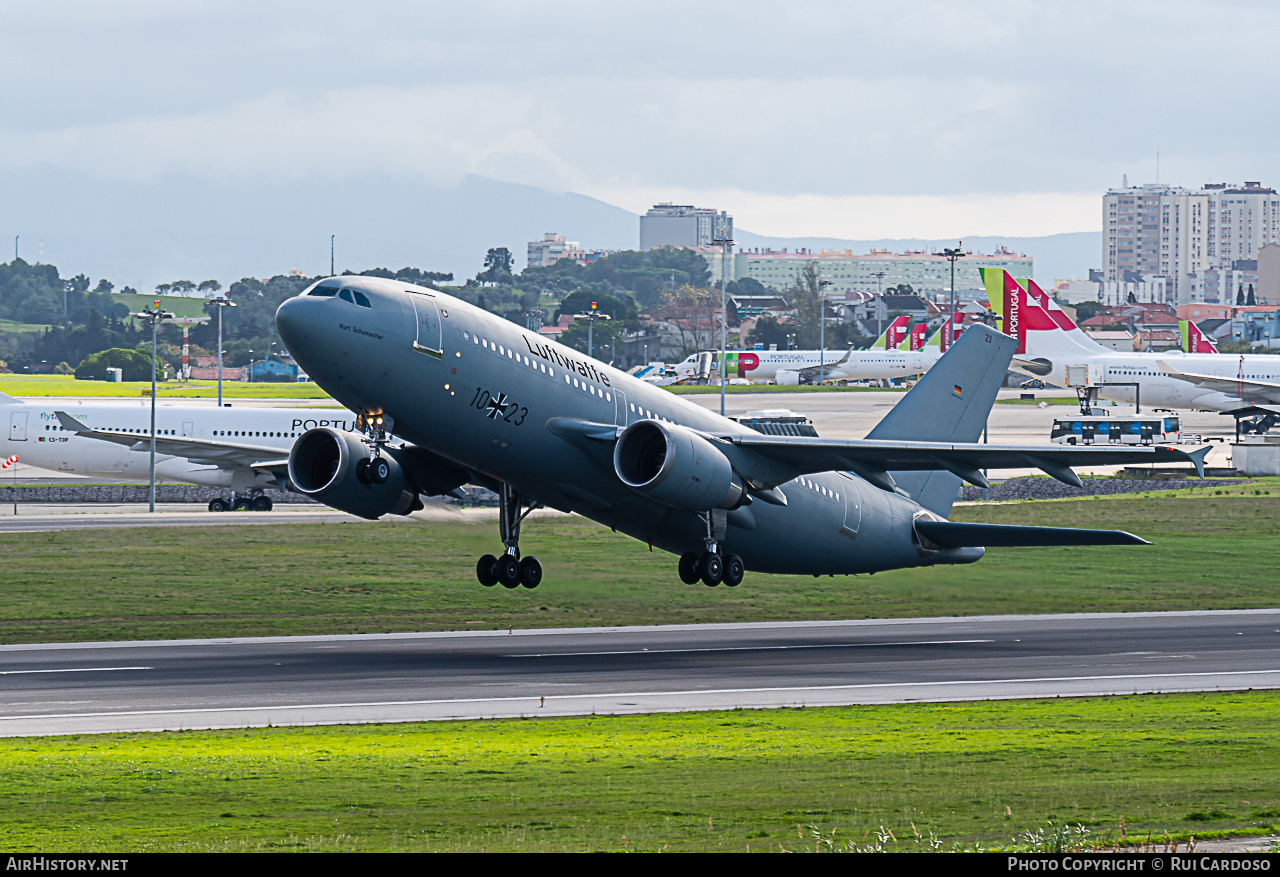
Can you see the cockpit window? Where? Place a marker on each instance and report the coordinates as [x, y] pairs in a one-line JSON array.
[[363, 300], [323, 289], [345, 295]]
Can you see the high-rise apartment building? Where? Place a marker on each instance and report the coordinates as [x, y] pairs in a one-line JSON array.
[[683, 225], [1188, 236]]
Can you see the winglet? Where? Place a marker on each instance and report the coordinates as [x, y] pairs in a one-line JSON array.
[[70, 424]]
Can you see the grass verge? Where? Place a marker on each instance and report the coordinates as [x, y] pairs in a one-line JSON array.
[[65, 385], [969, 772], [1215, 548]]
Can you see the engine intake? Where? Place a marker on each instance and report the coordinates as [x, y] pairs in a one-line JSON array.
[[324, 464], [676, 467]]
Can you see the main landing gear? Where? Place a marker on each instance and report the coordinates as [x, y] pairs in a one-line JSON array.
[[510, 570], [712, 567], [241, 503]]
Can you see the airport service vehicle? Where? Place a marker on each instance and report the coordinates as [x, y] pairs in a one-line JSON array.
[[240, 448], [1050, 345], [1090, 429], [478, 399]]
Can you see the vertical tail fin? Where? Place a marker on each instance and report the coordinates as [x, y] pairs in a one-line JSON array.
[[1193, 340], [949, 404], [917, 336], [892, 335]]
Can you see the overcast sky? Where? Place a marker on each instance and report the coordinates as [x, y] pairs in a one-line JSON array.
[[855, 120]]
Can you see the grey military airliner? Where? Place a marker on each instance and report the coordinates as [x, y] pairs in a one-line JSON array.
[[474, 398]]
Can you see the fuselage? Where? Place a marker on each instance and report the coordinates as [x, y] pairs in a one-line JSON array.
[[765, 365], [486, 394], [33, 433], [1053, 351]]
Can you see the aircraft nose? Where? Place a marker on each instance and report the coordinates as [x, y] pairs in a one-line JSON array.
[[296, 321]]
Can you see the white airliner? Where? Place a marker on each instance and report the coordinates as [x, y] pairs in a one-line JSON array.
[[883, 360], [1049, 343], [242, 449]]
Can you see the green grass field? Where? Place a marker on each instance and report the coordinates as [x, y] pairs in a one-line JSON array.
[[969, 773], [698, 390], [66, 385], [175, 304], [1215, 548], [10, 327], [972, 773]]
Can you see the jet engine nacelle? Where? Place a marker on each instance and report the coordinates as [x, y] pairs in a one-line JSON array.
[[326, 464], [676, 467], [786, 378]]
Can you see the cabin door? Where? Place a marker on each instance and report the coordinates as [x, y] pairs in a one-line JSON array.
[[428, 337], [852, 506]]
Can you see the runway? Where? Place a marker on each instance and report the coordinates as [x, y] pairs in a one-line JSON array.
[[234, 683]]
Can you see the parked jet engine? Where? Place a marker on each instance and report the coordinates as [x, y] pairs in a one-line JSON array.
[[677, 467], [334, 467]]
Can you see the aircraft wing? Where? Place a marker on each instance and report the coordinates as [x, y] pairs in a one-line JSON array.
[[225, 455], [768, 461], [778, 459], [813, 371], [1248, 388]]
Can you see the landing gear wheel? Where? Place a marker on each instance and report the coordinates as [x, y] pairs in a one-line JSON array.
[[362, 471], [530, 572], [378, 470], [218, 505], [689, 568], [733, 571], [508, 569], [711, 568], [487, 570], [240, 505], [261, 504]]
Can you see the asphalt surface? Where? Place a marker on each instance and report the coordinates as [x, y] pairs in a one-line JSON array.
[[152, 686]]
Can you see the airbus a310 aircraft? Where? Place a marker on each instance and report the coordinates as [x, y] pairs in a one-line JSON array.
[[476, 398], [883, 360], [1049, 343], [241, 449]]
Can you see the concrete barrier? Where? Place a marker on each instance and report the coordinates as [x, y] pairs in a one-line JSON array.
[[121, 493]]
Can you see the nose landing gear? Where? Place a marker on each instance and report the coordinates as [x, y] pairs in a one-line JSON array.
[[510, 570]]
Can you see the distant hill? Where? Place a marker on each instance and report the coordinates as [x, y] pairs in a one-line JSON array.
[[186, 227]]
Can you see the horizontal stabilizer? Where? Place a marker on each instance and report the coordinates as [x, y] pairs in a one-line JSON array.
[[948, 534]]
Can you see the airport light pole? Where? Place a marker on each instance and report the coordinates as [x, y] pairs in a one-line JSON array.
[[822, 332], [153, 315], [879, 276], [725, 241], [220, 303], [591, 321], [951, 254]]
